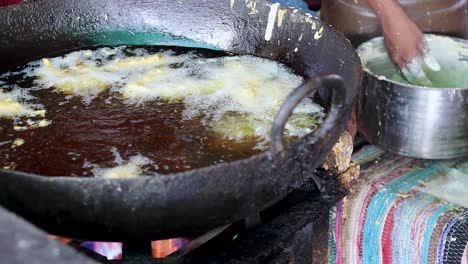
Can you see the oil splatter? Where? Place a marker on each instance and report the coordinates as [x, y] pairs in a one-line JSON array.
[[281, 14], [271, 21], [253, 7], [318, 34]]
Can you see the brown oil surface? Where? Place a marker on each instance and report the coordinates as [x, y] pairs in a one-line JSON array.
[[81, 134]]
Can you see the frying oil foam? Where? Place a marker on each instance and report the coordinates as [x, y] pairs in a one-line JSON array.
[[250, 87], [14, 104], [131, 168]]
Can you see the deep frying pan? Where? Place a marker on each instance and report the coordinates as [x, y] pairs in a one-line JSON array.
[[193, 201]]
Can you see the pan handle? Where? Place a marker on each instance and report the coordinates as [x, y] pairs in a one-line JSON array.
[[333, 82]]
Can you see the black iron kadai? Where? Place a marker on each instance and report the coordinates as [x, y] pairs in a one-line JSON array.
[[197, 200]]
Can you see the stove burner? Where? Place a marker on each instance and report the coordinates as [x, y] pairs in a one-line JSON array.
[[296, 228]]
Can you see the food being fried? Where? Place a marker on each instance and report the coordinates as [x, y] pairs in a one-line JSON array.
[[243, 126], [131, 169], [11, 105], [163, 110]]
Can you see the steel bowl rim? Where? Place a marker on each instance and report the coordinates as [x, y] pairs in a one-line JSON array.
[[411, 86]]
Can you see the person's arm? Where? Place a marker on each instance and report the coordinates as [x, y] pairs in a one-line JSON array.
[[403, 38]]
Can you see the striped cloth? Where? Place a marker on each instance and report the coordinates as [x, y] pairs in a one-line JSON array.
[[386, 220]]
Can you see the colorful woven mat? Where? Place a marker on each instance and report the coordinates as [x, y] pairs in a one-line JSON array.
[[388, 218]]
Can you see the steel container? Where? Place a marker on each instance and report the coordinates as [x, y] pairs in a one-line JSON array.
[[416, 121]]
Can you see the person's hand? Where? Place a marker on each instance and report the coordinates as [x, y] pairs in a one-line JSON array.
[[403, 38], [405, 43]]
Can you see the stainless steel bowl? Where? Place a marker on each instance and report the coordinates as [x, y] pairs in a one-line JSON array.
[[416, 121]]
